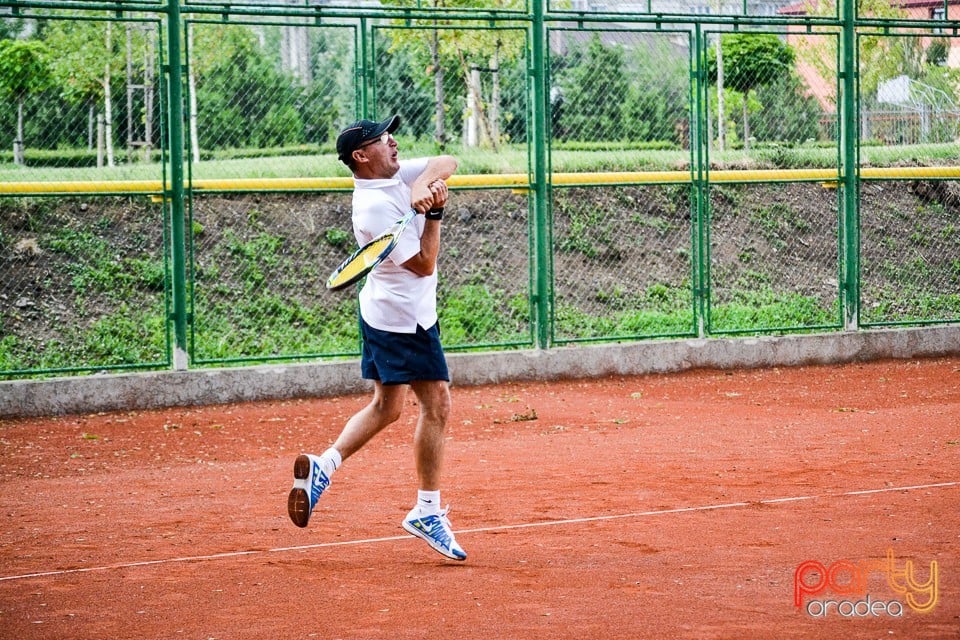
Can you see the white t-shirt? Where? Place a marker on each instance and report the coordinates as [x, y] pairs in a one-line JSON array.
[[393, 298]]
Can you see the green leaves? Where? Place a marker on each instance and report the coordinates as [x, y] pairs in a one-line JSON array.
[[24, 67], [751, 60]]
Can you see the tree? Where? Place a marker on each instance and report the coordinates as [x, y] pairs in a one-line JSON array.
[[595, 89], [83, 61], [207, 43], [332, 92], [751, 60], [658, 107], [424, 57], [879, 57], [12, 27], [403, 88], [243, 100], [471, 51], [23, 70], [796, 116]]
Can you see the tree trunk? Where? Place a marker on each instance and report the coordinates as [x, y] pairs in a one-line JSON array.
[[108, 99], [18, 158], [494, 111], [721, 101], [440, 126], [471, 138], [91, 123], [303, 51], [746, 121], [131, 85], [478, 124], [148, 99], [100, 128], [192, 88]]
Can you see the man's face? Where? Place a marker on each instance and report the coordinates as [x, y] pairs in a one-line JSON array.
[[378, 158]]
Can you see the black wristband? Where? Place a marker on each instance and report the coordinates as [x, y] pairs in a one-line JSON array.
[[434, 214]]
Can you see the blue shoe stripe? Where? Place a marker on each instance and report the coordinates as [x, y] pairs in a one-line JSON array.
[[433, 527], [436, 532], [318, 484]]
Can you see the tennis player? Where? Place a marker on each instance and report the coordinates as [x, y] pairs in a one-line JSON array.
[[398, 322]]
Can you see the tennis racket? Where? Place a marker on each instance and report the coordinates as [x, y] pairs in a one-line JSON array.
[[367, 257]]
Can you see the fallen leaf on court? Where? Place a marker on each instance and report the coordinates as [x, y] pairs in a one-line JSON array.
[[531, 414]]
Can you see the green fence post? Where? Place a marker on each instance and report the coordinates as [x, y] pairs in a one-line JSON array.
[[363, 78], [699, 189], [849, 128], [174, 193], [541, 228]]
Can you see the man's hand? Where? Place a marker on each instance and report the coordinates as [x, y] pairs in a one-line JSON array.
[[440, 194], [425, 189], [421, 197], [433, 196]]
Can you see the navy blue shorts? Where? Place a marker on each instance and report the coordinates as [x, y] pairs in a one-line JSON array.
[[401, 358]]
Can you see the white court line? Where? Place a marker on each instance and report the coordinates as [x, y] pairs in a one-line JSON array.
[[506, 527]]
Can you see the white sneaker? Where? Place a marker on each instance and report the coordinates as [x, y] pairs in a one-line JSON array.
[[309, 483], [435, 530]]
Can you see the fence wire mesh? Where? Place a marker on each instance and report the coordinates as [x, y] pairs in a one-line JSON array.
[[622, 262], [259, 268], [82, 99], [82, 283], [263, 97], [910, 251], [774, 257], [483, 294], [609, 105], [761, 106]]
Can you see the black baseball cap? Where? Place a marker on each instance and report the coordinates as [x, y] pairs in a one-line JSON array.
[[354, 135]]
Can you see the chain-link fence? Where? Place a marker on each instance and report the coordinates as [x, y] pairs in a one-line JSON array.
[[774, 253], [622, 263], [910, 251], [82, 98], [84, 284], [627, 171]]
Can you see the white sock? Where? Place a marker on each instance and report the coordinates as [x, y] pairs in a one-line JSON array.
[[428, 501], [331, 461]]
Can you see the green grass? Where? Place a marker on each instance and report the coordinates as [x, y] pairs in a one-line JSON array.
[[266, 326], [121, 338], [667, 311], [766, 309], [474, 314], [573, 323], [314, 162], [269, 325]]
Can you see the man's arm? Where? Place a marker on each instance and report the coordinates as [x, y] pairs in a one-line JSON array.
[[438, 168], [425, 262]]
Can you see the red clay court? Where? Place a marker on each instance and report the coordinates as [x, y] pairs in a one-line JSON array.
[[654, 506]]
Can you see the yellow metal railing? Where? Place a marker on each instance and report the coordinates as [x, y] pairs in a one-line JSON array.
[[510, 180]]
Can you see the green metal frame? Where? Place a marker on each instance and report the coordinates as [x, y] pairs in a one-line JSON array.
[[849, 229], [705, 184], [538, 18]]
